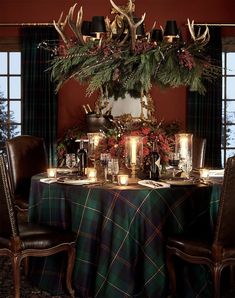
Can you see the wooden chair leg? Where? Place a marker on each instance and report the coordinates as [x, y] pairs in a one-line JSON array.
[[70, 265], [216, 274], [16, 275], [26, 266], [231, 275], [171, 273]]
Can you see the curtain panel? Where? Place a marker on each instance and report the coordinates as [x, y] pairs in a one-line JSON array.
[[204, 112], [39, 98]]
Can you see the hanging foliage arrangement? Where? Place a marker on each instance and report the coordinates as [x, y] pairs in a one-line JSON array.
[[123, 63]]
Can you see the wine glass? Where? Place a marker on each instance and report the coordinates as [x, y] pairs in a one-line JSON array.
[[113, 168], [94, 139], [104, 159], [174, 160], [70, 161]]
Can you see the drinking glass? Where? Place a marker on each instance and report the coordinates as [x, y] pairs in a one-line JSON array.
[[70, 160], [104, 159], [113, 168], [174, 160], [94, 139]]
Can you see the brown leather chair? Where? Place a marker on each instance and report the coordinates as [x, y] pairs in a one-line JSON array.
[[26, 157], [199, 150], [217, 251], [20, 241]]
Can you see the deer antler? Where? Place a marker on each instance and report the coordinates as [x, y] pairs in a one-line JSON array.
[[76, 27], [133, 26], [148, 34], [59, 26], [203, 38]]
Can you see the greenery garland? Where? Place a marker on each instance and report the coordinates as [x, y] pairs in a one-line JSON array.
[[121, 70]]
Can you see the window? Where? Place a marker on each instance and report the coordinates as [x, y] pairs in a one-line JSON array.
[[228, 101], [10, 93]]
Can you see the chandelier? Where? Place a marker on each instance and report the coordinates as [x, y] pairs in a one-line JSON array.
[[117, 55]]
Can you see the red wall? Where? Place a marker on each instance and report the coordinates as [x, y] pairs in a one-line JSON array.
[[170, 104]]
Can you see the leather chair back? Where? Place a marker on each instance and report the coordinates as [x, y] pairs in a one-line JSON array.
[[199, 150], [224, 233], [8, 222], [27, 157], [20, 241]]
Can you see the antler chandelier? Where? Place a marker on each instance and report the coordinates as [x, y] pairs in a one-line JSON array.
[[118, 58]]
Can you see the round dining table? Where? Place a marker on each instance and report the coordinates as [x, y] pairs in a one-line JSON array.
[[121, 235]]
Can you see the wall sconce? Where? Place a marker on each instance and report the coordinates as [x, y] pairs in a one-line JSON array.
[[133, 155], [184, 146]]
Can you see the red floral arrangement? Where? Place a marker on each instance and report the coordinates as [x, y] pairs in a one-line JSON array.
[[159, 133], [152, 133]]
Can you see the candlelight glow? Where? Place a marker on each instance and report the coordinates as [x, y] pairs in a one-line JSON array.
[[51, 173], [133, 150], [204, 173], [183, 146], [122, 179], [92, 174]]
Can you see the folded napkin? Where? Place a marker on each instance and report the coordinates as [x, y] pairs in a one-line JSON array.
[[153, 184], [48, 180]]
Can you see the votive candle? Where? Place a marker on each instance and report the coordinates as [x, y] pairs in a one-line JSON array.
[[122, 179], [204, 173], [51, 173], [92, 174]]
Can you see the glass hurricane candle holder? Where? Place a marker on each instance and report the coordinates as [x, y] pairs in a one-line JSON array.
[[184, 146], [133, 154]]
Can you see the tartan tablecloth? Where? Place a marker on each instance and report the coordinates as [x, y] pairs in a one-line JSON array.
[[121, 236]]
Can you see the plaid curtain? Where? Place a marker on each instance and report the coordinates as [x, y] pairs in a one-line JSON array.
[[39, 98], [204, 112]]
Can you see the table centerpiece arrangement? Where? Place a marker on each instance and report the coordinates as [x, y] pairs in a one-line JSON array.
[[113, 142]]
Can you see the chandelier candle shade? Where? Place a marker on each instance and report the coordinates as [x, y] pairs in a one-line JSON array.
[[133, 154], [184, 146]]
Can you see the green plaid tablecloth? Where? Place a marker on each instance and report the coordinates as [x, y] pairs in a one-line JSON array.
[[121, 236]]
